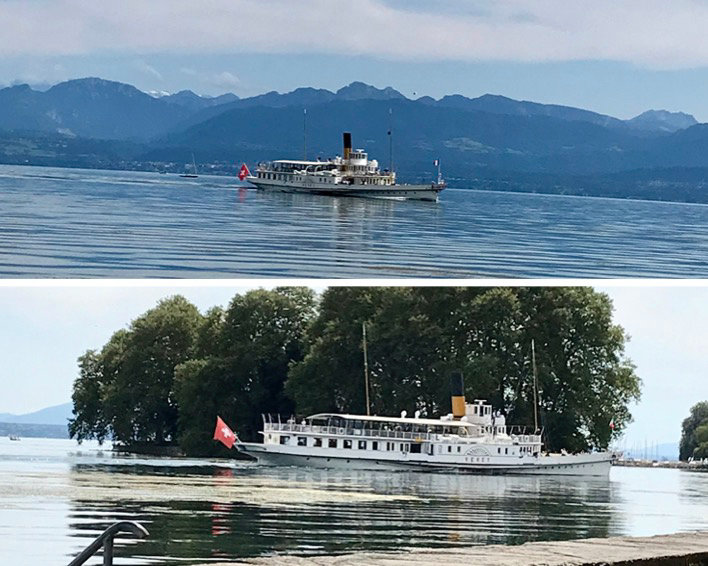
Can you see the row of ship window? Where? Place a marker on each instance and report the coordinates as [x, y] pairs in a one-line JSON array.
[[289, 177], [348, 444]]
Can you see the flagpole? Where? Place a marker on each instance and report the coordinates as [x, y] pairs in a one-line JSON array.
[[366, 369]]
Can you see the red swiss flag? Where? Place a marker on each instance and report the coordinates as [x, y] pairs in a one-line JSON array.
[[243, 173], [223, 433]]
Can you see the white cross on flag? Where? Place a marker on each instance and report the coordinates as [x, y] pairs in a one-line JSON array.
[[243, 173], [223, 433]]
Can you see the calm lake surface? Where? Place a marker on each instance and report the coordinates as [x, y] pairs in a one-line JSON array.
[[82, 223], [56, 496]]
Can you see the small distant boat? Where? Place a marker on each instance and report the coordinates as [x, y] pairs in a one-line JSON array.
[[14, 437], [192, 175]]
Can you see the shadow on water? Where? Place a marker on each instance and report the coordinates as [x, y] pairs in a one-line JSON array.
[[194, 513]]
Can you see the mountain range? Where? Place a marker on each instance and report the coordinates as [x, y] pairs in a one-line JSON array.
[[50, 422], [486, 142], [55, 415]]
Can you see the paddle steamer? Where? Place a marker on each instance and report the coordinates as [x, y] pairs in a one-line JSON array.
[[473, 438], [353, 174]]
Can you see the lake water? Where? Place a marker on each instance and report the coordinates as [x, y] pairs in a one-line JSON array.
[[55, 497], [80, 223]]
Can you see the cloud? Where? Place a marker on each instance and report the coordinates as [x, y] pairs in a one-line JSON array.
[[144, 68], [225, 79], [652, 33]]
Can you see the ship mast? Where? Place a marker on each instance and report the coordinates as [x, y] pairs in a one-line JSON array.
[[304, 133], [390, 138], [366, 368], [535, 385]]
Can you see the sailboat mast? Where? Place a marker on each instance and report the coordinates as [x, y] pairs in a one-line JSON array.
[[366, 368], [535, 385]]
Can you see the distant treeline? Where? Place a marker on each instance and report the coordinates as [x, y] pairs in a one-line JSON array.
[[33, 430], [288, 351]]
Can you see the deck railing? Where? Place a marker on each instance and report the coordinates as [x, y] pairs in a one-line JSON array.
[[105, 540], [378, 433]]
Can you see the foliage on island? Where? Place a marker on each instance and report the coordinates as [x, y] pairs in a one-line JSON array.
[[694, 436], [287, 351]]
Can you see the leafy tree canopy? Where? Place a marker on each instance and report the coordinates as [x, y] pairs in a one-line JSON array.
[[126, 390], [694, 437], [243, 375]]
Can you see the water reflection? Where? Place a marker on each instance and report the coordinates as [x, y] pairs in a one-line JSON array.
[[55, 498], [197, 512]]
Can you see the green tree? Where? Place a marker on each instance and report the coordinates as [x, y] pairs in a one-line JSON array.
[[259, 336], [694, 436], [128, 389], [585, 380], [89, 417]]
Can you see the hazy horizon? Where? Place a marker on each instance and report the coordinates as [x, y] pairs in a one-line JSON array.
[[615, 59]]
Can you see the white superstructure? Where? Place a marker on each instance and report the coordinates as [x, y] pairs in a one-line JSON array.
[[479, 442], [353, 174]]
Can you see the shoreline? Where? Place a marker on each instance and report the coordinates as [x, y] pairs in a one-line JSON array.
[[661, 550]]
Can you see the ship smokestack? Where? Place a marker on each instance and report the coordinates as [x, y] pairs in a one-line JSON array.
[[347, 144], [457, 391]]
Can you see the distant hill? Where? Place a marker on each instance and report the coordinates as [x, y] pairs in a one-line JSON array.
[[56, 415], [96, 108], [465, 140], [496, 104], [194, 102], [662, 120]]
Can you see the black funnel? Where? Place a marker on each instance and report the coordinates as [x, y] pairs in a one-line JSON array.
[[457, 384]]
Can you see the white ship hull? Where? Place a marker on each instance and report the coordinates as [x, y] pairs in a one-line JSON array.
[[395, 192], [588, 464]]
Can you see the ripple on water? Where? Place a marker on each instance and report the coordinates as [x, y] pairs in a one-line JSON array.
[[79, 223], [55, 497]]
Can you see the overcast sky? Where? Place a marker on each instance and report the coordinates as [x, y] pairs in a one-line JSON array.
[[46, 328], [619, 58]]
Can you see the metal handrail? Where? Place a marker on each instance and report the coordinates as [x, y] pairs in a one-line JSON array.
[[106, 540], [378, 433]]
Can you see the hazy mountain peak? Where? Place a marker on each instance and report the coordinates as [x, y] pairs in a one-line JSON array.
[[24, 87], [362, 91], [662, 120], [96, 86], [489, 96], [54, 415]]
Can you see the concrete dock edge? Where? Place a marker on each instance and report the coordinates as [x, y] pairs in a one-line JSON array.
[[681, 549]]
